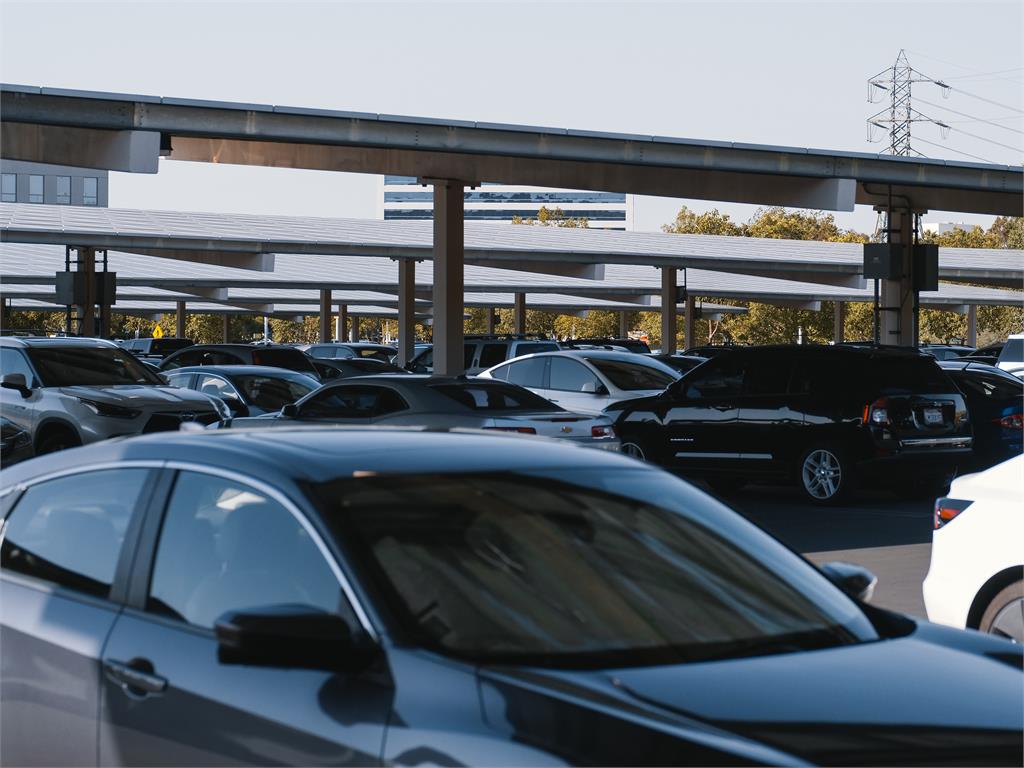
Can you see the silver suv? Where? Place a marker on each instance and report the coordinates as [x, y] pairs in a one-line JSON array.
[[483, 352], [65, 392]]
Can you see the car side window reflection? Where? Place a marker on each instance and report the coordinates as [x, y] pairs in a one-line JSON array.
[[723, 379], [225, 546], [69, 531]]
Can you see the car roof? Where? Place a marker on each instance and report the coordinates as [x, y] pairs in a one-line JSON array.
[[56, 341], [973, 365], [237, 370], [319, 453]]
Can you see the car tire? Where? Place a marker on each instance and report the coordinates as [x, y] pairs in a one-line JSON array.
[[824, 474], [637, 448], [1003, 615], [57, 440]]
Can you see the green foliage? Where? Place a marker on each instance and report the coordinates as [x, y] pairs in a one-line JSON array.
[[553, 218], [710, 223]]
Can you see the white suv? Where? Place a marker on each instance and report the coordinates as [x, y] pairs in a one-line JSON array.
[[1011, 358], [65, 392]]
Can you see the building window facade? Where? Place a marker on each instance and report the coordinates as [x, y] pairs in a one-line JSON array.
[[63, 190], [35, 189], [9, 188], [90, 190]]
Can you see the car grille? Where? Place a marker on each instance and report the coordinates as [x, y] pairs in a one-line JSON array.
[[170, 422]]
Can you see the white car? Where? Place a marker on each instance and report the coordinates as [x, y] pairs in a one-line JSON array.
[[976, 578], [1011, 358], [586, 380]]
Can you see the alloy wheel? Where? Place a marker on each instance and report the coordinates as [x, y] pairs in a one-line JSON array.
[[822, 474], [634, 450], [1009, 622]]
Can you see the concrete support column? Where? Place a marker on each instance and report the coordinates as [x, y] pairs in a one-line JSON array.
[[225, 328], [839, 322], [689, 318], [406, 310], [341, 323], [519, 314], [353, 328], [898, 296], [325, 314], [669, 297], [972, 325], [179, 320], [449, 270], [87, 265], [491, 311], [623, 325]]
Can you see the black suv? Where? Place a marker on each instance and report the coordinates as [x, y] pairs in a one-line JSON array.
[[823, 418], [274, 355]]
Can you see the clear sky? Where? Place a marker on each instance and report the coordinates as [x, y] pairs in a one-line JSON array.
[[763, 72]]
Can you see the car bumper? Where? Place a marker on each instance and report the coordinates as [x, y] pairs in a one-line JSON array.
[[918, 458]]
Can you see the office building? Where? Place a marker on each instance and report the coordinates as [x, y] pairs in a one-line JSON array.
[[22, 182]]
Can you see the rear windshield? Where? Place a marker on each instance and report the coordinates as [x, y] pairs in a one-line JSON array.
[[910, 375], [990, 384], [272, 393], [89, 366], [634, 376], [291, 359], [384, 354], [494, 397], [1013, 351], [166, 346]]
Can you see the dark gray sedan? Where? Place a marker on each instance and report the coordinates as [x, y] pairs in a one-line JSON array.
[[432, 401], [395, 597], [247, 390]]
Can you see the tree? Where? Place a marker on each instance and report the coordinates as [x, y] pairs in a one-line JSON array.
[[710, 223]]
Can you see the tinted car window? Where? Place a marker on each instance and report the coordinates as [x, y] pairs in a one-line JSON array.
[[69, 531], [216, 386], [167, 346], [767, 376], [226, 546], [89, 366], [350, 402], [1013, 351], [468, 353], [526, 373], [492, 354], [570, 376], [909, 375], [292, 359], [13, 361], [494, 397], [533, 347], [384, 354], [989, 385], [632, 376], [716, 379], [271, 393], [184, 359]]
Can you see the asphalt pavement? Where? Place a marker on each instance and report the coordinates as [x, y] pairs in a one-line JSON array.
[[889, 536]]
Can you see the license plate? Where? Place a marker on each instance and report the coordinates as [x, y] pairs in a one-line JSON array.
[[932, 415]]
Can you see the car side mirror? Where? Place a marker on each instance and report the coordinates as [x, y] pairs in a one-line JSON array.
[[16, 381], [290, 411], [163, 378], [286, 636], [590, 387], [855, 580]]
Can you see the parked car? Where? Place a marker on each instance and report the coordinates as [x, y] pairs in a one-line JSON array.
[[155, 349], [976, 577], [681, 363], [987, 354], [995, 402], [349, 349], [65, 392], [586, 381], [946, 351], [482, 352], [639, 346], [818, 417], [441, 402], [478, 601], [1011, 356], [344, 368], [708, 350], [273, 355], [15, 442], [247, 390]]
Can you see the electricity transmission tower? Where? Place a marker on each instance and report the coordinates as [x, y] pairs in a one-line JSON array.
[[896, 81]]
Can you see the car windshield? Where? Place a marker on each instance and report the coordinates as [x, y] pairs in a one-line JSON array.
[[292, 359], [494, 397], [613, 567], [167, 346], [629, 375], [89, 366], [272, 393], [384, 354]]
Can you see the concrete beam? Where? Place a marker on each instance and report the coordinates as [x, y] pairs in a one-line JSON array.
[[256, 262], [406, 310], [129, 151]]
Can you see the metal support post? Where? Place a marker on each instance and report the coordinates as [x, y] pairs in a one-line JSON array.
[[519, 314], [87, 313], [898, 297], [491, 311], [669, 297], [972, 325], [623, 325], [325, 314], [179, 320], [353, 328], [406, 310], [449, 270], [839, 322], [689, 314], [341, 323], [225, 328]]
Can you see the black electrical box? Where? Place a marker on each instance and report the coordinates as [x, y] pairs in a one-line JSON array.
[[883, 261], [926, 267], [71, 288]]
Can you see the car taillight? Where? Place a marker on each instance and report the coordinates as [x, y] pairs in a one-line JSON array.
[[947, 509], [602, 433], [1013, 421], [520, 430], [876, 413]]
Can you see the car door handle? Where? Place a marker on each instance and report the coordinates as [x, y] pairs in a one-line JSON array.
[[136, 678], [722, 407]]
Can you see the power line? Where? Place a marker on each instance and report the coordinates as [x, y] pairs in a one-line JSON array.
[[982, 98], [973, 118], [950, 149], [990, 141], [985, 74]]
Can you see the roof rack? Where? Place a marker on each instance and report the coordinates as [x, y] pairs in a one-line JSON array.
[[499, 336]]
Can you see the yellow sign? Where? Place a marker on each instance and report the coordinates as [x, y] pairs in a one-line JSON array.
[[158, 332]]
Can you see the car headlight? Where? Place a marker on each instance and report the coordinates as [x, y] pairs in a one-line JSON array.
[[108, 410]]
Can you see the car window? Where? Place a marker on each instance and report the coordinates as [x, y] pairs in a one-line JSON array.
[[89, 366], [533, 347], [350, 402], [526, 373], [492, 354], [767, 376], [384, 354], [216, 386], [167, 346], [716, 379], [468, 352], [908, 375], [184, 359], [571, 376], [178, 379], [13, 361], [69, 531], [629, 375], [1013, 351], [990, 385], [226, 546], [292, 359], [271, 393], [494, 397]]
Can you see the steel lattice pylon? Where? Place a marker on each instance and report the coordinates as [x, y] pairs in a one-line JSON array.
[[897, 120]]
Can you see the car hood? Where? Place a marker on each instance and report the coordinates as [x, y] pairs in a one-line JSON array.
[[892, 702], [142, 396]]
